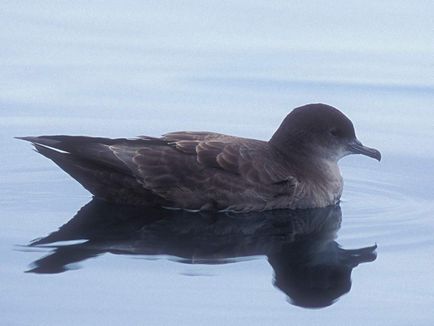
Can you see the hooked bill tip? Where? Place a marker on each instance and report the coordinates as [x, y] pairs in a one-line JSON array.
[[356, 147]]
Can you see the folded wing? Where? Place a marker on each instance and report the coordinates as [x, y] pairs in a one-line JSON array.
[[197, 170]]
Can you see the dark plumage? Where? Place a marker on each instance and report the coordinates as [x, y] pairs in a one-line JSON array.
[[297, 168]]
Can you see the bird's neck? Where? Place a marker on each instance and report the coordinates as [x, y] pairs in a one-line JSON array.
[[322, 182], [311, 163]]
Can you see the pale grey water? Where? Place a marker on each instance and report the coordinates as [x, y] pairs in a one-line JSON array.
[[125, 69]]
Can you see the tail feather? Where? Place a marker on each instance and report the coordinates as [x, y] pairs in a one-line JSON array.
[[93, 149], [69, 143], [44, 140], [104, 176], [85, 172]]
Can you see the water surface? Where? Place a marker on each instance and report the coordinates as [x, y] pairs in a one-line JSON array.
[[107, 69]]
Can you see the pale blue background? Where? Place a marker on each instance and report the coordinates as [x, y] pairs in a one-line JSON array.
[[125, 68]]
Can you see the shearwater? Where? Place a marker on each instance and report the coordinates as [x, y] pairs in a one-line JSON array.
[[296, 168]]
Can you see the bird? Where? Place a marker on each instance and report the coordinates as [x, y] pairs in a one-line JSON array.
[[297, 168]]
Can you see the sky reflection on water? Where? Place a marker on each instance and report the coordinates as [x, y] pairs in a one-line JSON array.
[[102, 68]]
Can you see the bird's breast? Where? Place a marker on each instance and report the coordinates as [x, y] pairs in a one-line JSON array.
[[320, 188]]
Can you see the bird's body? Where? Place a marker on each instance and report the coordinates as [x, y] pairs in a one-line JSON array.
[[207, 171]]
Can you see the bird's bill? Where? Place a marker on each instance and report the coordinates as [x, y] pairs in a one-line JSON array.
[[356, 147]]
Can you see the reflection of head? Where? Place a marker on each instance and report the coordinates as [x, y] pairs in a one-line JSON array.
[[316, 272]]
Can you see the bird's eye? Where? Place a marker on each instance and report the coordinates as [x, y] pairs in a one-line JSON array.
[[334, 132]]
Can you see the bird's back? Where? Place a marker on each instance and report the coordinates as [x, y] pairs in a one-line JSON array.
[[189, 170]]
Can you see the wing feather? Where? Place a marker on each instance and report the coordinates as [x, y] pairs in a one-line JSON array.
[[190, 169]]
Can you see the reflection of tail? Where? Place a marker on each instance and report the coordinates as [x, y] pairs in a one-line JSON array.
[[63, 256], [89, 161], [99, 220]]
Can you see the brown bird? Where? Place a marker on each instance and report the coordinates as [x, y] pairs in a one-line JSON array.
[[296, 168]]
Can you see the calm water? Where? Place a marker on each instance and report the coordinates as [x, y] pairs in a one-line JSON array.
[[123, 70]]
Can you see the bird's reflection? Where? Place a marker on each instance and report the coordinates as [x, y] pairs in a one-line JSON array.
[[309, 265]]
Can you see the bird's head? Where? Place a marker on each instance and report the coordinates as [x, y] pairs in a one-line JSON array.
[[319, 130]]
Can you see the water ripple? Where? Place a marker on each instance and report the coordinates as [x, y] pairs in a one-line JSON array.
[[387, 214]]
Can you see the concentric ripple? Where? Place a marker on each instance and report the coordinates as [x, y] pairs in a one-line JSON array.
[[387, 213]]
